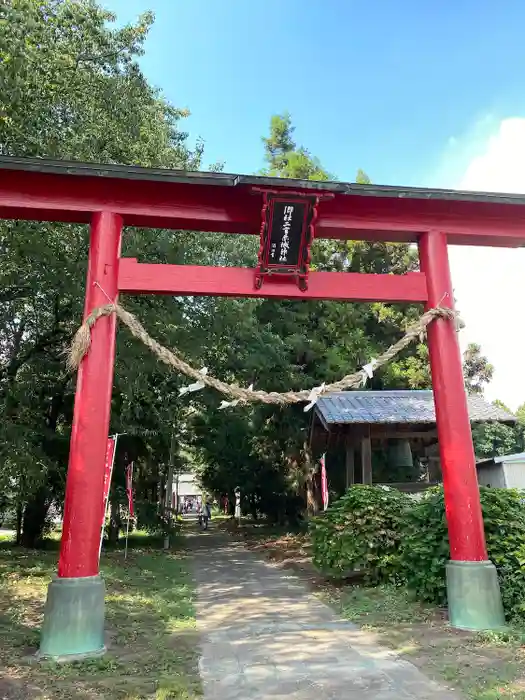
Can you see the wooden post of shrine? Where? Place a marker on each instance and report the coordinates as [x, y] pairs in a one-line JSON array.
[[473, 590], [366, 457], [349, 463], [74, 614]]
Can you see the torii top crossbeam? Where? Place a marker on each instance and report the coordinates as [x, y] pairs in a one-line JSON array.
[[46, 190]]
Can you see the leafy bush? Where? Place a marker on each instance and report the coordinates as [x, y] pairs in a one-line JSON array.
[[154, 522], [425, 546], [392, 538], [361, 531]]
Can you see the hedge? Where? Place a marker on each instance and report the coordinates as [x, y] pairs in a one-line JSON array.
[[361, 531], [393, 538], [424, 548]]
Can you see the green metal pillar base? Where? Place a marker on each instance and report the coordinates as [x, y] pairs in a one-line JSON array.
[[474, 598], [73, 626]]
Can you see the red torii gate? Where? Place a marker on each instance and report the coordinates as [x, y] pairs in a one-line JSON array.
[[107, 197]]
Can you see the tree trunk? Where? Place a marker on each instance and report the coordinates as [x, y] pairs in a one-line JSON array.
[[309, 471], [19, 514], [34, 519], [312, 507], [115, 522]]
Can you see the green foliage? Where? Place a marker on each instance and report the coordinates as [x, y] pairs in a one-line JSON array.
[[150, 519], [425, 546], [361, 531], [477, 370], [490, 439], [362, 178], [285, 158], [72, 89], [392, 538], [496, 439]]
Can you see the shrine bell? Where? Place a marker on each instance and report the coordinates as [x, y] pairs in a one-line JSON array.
[[399, 453]]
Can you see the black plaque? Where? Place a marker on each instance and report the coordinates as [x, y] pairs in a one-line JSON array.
[[287, 229]]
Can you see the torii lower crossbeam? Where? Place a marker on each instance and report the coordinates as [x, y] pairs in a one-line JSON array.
[[201, 280]]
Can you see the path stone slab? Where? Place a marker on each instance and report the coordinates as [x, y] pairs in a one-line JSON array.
[[265, 637]]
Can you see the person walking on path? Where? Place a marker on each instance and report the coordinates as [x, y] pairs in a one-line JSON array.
[[205, 515]]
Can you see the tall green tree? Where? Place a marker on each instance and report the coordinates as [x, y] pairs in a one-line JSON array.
[[498, 439], [477, 370], [71, 88], [301, 344], [285, 158]]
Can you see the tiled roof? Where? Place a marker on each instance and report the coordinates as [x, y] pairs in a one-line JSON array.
[[398, 407]]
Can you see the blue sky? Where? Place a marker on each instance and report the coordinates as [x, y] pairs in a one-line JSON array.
[[415, 93], [381, 85]]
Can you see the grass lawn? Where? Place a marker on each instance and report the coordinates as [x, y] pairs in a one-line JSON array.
[[488, 666], [150, 627]]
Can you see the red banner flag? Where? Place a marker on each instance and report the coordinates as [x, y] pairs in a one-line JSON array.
[[324, 483], [108, 468], [129, 488]]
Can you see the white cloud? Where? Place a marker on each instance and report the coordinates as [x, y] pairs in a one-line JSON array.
[[489, 283]]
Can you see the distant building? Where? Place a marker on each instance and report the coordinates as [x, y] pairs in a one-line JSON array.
[[185, 486], [506, 472]]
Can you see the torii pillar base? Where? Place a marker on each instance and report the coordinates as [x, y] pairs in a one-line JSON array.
[[73, 627], [474, 599]]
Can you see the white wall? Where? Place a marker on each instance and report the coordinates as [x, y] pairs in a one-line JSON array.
[[514, 474]]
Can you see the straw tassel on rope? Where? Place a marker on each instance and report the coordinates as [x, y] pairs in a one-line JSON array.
[[82, 340]]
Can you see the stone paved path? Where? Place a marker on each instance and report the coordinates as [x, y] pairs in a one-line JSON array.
[[265, 637]]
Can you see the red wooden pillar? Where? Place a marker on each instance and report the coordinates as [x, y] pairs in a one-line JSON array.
[[458, 463], [85, 479], [74, 616], [473, 590]]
